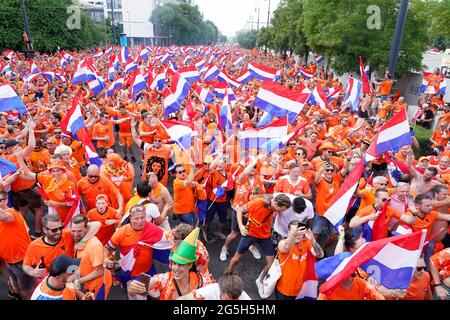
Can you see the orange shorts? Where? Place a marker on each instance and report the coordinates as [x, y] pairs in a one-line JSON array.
[[125, 139]]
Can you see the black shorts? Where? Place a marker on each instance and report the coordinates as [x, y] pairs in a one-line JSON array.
[[27, 197], [222, 210], [265, 245]]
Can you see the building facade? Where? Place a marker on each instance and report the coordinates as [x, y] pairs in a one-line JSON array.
[[134, 16]]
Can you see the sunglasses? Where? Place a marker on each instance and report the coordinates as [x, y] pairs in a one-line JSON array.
[[329, 170], [55, 229], [3, 199], [384, 199], [137, 209], [299, 154], [89, 176], [383, 184], [157, 140], [182, 171], [292, 144], [421, 268]]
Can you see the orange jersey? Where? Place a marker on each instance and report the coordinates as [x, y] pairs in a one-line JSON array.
[[91, 191], [260, 217], [291, 281], [325, 193], [104, 130], [390, 213], [39, 160], [39, 248], [359, 290], [125, 237], [106, 231], [183, 197], [286, 185]]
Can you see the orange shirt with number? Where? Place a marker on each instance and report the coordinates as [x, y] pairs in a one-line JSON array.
[[359, 290]]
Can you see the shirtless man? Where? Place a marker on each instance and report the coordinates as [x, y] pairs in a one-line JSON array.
[[441, 204], [159, 195], [421, 183]]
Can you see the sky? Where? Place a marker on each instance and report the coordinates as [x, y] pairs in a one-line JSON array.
[[231, 16]]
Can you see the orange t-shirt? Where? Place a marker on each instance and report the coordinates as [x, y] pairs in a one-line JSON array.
[[183, 197], [441, 261], [78, 152], [91, 191], [39, 160], [390, 213], [260, 218], [157, 161], [325, 192], [39, 248], [285, 185], [14, 238], [317, 162], [419, 289], [215, 180], [359, 290], [244, 189], [144, 128], [126, 236], [19, 184], [293, 270], [106, 231], [104, 130], [91, 257], [385, 87], [425, 223]]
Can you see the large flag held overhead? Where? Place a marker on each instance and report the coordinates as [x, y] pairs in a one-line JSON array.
[[390, 261], [393, 134], [352, 93], [254, 138], [73, 121], [84, 74], [7, 167], [340, 204], [262, 72], [180, 131], [305, 73], [320, 97], [9, 100], [179, 87], [280, 101], [277, 143]]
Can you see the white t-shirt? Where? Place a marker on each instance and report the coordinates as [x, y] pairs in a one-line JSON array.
[[152, 212], [283, 219], [212, 292]]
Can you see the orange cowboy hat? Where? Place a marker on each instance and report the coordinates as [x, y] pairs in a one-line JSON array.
[[56, 164], [327, 145]]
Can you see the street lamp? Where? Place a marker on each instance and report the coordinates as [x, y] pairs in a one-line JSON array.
[[268, 15]]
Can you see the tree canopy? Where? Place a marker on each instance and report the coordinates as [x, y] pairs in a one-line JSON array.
[[48, 26], [247, 39], [184, 25], [338, 29]]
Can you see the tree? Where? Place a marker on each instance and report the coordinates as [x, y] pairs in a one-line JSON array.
[[247, 39], [342, 33], [183, 25], [48, 26], [438, 13]]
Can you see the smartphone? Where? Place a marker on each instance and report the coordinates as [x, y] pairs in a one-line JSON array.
[[145, 279]]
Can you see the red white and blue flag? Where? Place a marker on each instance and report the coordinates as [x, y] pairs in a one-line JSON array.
[[393, 134], [224, 77], [34, 69], [9, 100], [83, 74], [139, 84], [225, 118], [179, 87], [254, 138], [170, 102], [238, 60], [245, 76], [277, 143], [190, 74], [341, 201], [390, 261], [117, 84], [131, 66], [320, 97], [180, 132], [199, 64], [305, 73], [212, 73], [159, 81], [262, 72], [73, 121], [280, 101], [205, 95], [310, 281], [124, 56], [353, 93]]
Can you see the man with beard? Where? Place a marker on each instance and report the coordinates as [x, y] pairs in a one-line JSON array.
[[56, 241], [421, 183]]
